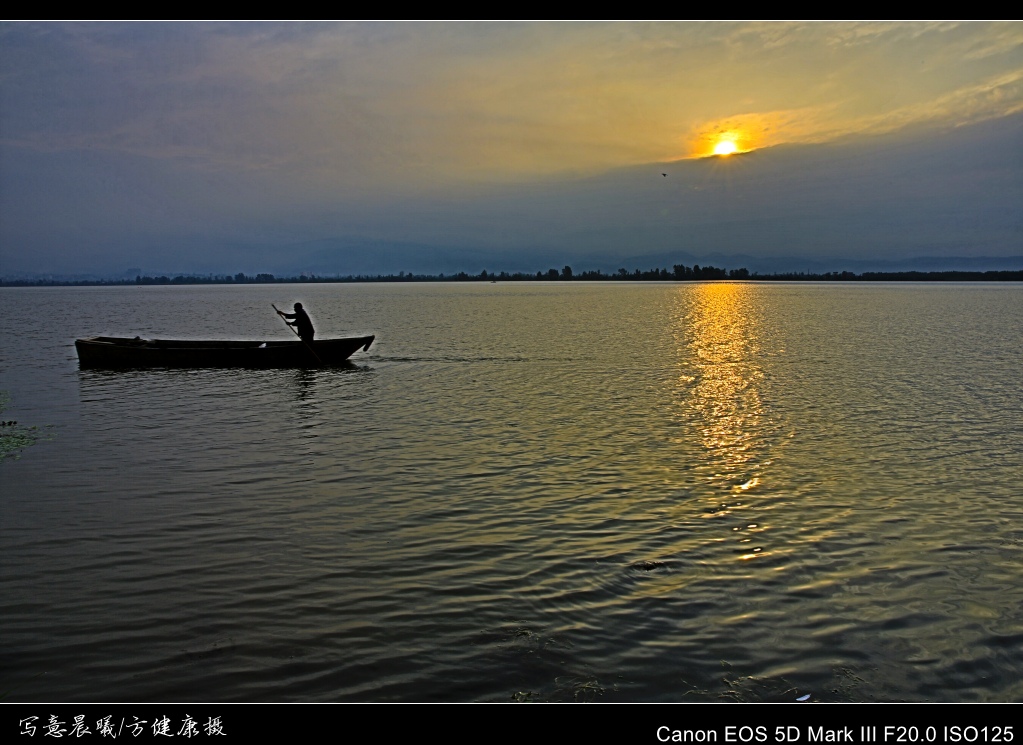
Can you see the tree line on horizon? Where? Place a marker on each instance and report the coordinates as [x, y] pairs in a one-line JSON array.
[[678, 273]]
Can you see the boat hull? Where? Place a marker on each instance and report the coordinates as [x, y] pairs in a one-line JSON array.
[[116, 352]]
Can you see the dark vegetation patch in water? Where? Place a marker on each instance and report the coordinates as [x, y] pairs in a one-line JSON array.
[[14, 437]]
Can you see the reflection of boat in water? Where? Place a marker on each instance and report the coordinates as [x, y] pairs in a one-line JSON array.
[[110, 351]]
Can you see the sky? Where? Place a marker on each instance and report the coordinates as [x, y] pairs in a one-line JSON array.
[[338, 148]]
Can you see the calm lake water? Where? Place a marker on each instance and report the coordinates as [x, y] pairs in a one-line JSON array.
[[535, 491]]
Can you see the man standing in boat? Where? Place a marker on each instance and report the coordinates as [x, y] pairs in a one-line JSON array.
[[301, 322]]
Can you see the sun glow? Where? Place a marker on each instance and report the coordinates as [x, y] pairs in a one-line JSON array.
[[725, 147], [722, 141], [731, 136]]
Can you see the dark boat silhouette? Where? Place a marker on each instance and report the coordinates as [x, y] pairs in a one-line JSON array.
[[117, 352]]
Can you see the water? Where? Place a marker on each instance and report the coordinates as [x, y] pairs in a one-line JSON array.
[[536, 491]]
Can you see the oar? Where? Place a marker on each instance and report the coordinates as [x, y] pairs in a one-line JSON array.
[[307, 344]]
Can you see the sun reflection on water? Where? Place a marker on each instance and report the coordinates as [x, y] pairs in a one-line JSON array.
[[718, 396]]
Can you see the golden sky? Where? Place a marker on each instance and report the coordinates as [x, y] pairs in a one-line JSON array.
[[138, 128], [393, 102]]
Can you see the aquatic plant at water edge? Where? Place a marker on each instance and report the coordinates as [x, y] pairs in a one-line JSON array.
[[13, 437]]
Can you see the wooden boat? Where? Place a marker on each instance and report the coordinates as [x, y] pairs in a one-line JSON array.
[[115, 352]]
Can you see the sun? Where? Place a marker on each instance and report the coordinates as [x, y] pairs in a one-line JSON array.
[[727, 137], [725, 147]]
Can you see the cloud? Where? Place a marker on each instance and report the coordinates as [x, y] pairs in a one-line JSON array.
[[413, 103], [186, 128]]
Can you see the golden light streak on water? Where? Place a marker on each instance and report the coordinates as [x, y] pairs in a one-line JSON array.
[[718, 348]]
